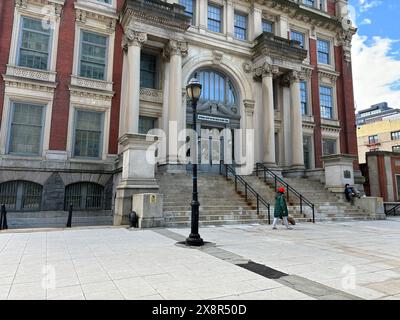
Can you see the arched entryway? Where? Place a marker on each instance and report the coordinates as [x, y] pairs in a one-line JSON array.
[[218, 114]]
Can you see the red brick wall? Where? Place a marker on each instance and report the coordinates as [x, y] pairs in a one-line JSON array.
[[65, 58], [331, 7], [345, 100], [117, 79], [315, 105], [6, 25]]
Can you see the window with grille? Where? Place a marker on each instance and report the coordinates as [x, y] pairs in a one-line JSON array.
[[88, 134], [214, 18], [84, 196], [298, 36], [93, 56], [26, 129], [240, 26], [396, 149], [373, 139], [326, 101], [190, 6], [146, 124], [323, 48], [148, 71], [303, 97], [267, 26], [395, 135], [21, 195], [34, 45], [328, 146]]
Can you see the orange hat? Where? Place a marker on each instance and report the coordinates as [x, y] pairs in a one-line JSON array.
[[281, 190]]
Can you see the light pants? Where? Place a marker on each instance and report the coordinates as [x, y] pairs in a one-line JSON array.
[[285, 221]]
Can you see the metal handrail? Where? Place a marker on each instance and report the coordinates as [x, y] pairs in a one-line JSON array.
[[229, 170], [392, 210], [289, 189]]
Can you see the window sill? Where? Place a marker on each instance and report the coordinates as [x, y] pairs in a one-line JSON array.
[[151, 95], [32, 74], [92, 83], [330, 122]]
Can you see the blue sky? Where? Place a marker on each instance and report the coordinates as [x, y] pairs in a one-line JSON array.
[[376, 52]]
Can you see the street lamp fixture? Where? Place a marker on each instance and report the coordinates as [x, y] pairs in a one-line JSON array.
[[193, 90]]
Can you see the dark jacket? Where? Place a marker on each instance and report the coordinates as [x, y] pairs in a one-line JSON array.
[[281, 209]]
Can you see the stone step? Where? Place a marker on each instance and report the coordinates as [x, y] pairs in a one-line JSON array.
[[18, 223]]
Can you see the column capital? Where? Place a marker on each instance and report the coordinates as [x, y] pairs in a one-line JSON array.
[[249, 107], [294, 76], [175, 47], [266, 70], [133, 38]]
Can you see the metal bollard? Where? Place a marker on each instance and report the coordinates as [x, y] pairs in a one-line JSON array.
[[3, 220], [69, 223]]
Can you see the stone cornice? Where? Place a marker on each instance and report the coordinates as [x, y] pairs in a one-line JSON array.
[[28, 84], [295, 11], [159, 13], [330, 75], [82, 13]]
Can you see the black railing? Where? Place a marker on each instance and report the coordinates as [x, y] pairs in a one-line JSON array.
[[393, 210], [260, 167], [229, 171]]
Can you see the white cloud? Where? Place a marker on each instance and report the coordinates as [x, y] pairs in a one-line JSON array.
[[366, 21], [375, 73], [365, 5]]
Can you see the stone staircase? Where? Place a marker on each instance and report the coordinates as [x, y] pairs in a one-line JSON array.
[[219, 203], [328, 206], [58, 219]]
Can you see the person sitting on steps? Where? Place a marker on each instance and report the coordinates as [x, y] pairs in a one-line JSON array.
[[281, 209], [350, 193]]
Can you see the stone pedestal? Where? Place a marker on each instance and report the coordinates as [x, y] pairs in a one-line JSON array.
[[149, 208], [338, 171], [138, 173], [373, 206]]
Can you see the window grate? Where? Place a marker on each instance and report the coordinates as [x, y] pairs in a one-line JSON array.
[[84, 196]]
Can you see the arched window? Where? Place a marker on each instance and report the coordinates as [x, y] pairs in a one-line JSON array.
[[21, 195], [84, 196], [216, 87]]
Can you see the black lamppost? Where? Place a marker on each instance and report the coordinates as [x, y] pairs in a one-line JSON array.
[[193, 90]]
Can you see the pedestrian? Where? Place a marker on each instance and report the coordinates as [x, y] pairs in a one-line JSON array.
[[281, 209], [350, 193]]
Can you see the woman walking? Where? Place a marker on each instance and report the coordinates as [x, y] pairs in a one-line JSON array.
[[281, 209]]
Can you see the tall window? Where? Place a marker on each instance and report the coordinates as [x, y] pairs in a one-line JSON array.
[[84, 196], [216, 87], [328, 146], [146, 124], [326, 101], [21, 195], [34, 45], [240, 26], [214, 18], [93, 56], [190, 6], [148, 71], [88, 134], [303, 97], [26, 129], [298, 36], [307, 145], [373, 139], [323, 48], [395, 135], [267, 26]]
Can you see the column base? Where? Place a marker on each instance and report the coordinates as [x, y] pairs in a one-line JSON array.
[[194, 240], [295, 172]]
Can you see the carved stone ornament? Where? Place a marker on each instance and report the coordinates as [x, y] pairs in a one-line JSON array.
[[134, 38], [175, 47]]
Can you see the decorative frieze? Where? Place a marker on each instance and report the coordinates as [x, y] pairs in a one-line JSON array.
[[33, 74], [151, 95], [107, 20], [45, 87], [91, 83], [56, 5], [328, 76]]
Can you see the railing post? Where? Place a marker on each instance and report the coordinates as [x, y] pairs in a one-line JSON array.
[[69, 222], [313, 214], [269, 214], [301, 204], [245, 190], [3, 219], [258, 205], [275, 183], [236, 183]]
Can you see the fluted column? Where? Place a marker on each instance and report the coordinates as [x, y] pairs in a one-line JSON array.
[[133, 42], [268, 117], [175, 50], [296, 121]]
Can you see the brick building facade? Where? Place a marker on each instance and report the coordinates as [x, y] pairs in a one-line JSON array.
[[79, 75]]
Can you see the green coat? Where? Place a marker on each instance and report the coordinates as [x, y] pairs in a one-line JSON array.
[[281, 209]]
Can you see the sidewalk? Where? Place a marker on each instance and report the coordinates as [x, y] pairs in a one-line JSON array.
[[352, 260]]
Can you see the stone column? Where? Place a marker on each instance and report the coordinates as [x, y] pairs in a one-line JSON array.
[[174, 50], [256, 22], [248, 136], [133, 41], [268, 117], [230, 17], [296, 122], [203, 15]]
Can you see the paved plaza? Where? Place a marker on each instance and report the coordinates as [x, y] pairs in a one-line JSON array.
[[349, 260]]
